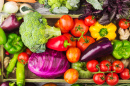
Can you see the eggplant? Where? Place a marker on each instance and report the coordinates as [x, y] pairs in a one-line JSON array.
[[100, 48], [11, 23]]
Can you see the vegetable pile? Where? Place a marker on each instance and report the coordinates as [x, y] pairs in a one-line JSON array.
[[73, 48]]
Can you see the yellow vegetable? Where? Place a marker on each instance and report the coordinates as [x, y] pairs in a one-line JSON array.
[[98, 31]]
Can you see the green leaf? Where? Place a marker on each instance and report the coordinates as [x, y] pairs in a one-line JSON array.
[[95, 4]]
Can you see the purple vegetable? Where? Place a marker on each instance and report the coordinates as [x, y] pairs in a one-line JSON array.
[[97, 49], [8, 83], [11, 23], [49, 64]]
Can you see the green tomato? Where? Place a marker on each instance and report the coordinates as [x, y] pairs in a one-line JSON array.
[[2, 37], [81, 68]]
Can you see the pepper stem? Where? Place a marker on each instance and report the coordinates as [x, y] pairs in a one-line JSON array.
[[66, 43], [11, 84], [19, 18]]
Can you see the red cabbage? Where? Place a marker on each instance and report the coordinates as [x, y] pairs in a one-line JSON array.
[[49, 64]]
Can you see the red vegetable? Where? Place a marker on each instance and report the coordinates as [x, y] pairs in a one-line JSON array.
[[105, 66], [124, 24], [23, 58], [117, 66], [59, 43], [90, 20], [28, 51], [71, 40], [112, 79], [125, 74], [92, 65], [99, 78], [79, 27], [66, 23], [7, 53]]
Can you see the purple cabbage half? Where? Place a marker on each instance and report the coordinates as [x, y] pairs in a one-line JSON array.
[[49, 64]]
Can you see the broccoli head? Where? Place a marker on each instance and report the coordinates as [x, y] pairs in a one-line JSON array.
[[35, 32]]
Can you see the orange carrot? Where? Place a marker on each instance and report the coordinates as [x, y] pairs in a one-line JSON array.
[[29, 1]]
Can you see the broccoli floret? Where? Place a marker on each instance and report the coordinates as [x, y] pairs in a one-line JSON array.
[[35, 32]]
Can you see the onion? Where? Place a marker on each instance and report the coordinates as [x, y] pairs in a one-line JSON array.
[[1, 4], [25, 12], [10, 7]]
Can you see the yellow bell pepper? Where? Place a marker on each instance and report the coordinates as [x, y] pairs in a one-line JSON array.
[[98, 31]]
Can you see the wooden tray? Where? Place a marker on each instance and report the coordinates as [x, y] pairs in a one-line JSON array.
[[30, 77]]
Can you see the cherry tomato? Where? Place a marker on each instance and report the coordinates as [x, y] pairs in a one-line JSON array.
[[28, 52], [112, 79], [92, 65], [7, 53], [71, 76], [73, 54], [90, 20], [117, 66], [99, 78], [23, 58], [79, 27], [66, 23], [124, 24], [105, 66], [83, 43], [125, 74], [71, 40]]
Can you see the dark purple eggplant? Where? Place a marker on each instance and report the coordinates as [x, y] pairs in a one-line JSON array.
[[8, 83], [97, 49], [11, 23]]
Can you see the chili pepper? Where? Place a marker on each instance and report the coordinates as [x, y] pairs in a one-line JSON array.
[[7, 53], [59, 43], [2, 37], [14, 43], [99, 31], [12, 63], [20, 74], [121, 49]]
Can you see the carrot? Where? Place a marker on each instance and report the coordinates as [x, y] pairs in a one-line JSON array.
[[29, 1]]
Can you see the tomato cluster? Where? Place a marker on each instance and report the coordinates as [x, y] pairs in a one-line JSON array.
[[105, 71], [75, 31]]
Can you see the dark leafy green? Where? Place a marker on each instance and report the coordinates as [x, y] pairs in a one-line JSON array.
[[112, 9]]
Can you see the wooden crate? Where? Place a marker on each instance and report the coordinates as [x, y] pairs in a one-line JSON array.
[[30, 77]]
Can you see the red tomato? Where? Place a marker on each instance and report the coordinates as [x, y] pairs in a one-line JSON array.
[[71, 76], [79, 26], [23, 58], [125, 74], [73, 54], [105, 66], [66, 23], [99, 78], [92, 65], [28, 52], [117, 66], [83, 43], [90, 20], [112, 79], [71, 40], [124, 24]]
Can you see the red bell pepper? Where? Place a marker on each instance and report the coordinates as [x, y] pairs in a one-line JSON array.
[[59, 43]]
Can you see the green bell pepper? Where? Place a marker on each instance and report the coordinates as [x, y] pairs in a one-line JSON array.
[[14, 43], [121, 49], [77, 84], [2, 37]]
